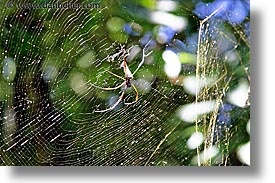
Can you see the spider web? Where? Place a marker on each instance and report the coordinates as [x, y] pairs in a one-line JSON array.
[[53, 58], [213, 80]]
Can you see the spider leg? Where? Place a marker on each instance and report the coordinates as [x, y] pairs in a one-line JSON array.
[[143, 57], [115, 75], [113, 106], [136, 91], [108, 89]]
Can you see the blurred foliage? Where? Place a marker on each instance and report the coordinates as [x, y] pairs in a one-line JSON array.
[[52, 56]]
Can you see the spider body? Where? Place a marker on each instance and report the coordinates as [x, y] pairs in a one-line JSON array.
[[128, 82], [128, 77], [128, 74]]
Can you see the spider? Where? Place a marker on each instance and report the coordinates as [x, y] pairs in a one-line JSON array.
[[128, 77]]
